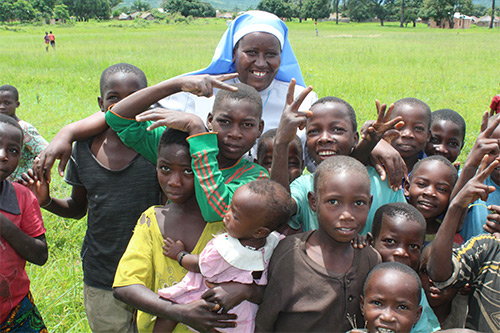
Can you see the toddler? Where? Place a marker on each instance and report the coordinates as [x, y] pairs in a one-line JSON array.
[[22, 238], [34, 143], [240, 255]]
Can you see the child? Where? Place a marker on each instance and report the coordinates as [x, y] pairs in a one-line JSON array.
[[481, 216], [330, 130], [415, 134], [447, 134], [390, 300], [47, 40], [34, 143], [143, 269], [235, 124], [448, 305], [429, 190], [398, 234], [315, 278], [52, 40], [495, 105], [265, 148], [475, 262], [241, 254], [100, 170], [22, 237]]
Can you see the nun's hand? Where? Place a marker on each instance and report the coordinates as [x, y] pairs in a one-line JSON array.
[[203, 85]]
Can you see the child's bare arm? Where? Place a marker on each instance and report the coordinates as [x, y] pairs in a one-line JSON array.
[[440, 263], [376, 131], [484, 145], [388, 163], [230, 294], [291, 120], [177, 251], [60, 146], [32, 249], [201, 85]]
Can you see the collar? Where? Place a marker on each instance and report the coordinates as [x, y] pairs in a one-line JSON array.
[[9, 201], [242, 257]]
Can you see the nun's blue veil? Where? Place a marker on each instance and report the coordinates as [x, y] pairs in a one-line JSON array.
[[254, 21]]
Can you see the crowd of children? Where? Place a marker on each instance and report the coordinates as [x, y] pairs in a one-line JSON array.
[[195, 245]]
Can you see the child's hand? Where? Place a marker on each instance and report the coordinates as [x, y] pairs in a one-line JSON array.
[[182, 121], [388, 163], [172, 248], [359, 242], [40, 188], [492, 224], [227, 295], [376, 130], [475, 187], [58, 149], [484, 143], [203, 85], [292, 118]]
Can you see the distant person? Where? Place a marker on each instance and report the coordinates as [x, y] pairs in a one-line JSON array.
[[47, 41], [52, 40], [33, 142], [22, 238], [495, 105]]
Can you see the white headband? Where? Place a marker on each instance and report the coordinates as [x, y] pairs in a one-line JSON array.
[[258, 28]]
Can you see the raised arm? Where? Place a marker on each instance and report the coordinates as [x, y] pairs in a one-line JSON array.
[[440, 266], [291, 120]]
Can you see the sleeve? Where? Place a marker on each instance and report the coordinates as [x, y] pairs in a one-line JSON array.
[[213, 192], [495, 103], [135, 135], [298, 191], [33, 140], [135, 266], [32, 222]]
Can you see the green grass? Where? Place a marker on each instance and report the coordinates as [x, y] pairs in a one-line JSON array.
[[357, 62]]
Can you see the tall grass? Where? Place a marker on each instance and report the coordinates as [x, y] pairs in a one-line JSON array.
[[456, 69]]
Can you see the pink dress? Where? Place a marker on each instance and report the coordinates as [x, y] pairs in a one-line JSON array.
[[224, 259]]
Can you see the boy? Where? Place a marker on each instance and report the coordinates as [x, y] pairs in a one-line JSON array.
[[447, 134], [390, 300], [481, 216], [100, 170], [330, 130], [265, 148], [415, 134], [315, 277], [34, 143], [429, 190], [398, 234], [22, 237], [475, 262], [52, 40], [235, 123]]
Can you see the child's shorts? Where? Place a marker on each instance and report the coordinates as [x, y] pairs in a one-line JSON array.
[[25, 317]]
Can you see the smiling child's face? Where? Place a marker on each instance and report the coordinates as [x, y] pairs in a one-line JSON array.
[[415, 133], [342, 203], [238, 125], [446, 140], [11, 141], [430, 188], [174, 172], [390, 303], [329, 131], [400, 240]]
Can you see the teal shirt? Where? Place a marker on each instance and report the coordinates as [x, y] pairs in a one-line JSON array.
[[306, 219]]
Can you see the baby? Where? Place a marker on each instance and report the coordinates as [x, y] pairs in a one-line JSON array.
[[239, 255]]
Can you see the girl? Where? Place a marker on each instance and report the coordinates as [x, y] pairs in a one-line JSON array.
[[239, 255]]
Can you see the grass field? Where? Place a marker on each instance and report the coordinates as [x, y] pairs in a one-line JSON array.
[[457, 69]]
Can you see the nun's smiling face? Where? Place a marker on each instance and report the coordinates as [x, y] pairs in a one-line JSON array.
[[257, 58]]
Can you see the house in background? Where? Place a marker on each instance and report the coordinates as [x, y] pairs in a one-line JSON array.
[[460, 21], [485, 21]]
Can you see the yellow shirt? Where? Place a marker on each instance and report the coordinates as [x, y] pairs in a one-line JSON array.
[[144, 263]]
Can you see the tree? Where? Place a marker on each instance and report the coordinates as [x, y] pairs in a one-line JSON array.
[[280, 8], [441, 10], [359, 10], [88, 9], [114, 3], [45, 7], [379, 9], [61, 12], [189, 8], [24, 11], [6, 10], [492, 13], [140, 6], [335, 6], [316, 9]]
